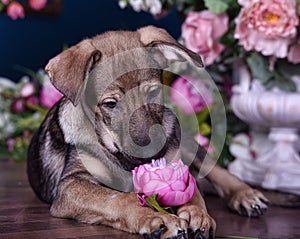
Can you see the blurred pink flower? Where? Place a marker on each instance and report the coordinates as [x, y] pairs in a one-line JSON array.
[[172, 182], [5, 2], [31, 101], [204, 142], [294, 52], [10, 145], [18, 106], [27, 90], [161, 15], [201, 31], [49, 94], [37, 4], [244, 2], [267, 26], [15, 10], [191, 95]]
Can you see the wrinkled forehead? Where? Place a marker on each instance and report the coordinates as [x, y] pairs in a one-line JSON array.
[[136, 79], [116, 76]]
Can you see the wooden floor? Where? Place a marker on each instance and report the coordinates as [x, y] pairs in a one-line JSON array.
[[23, 216]]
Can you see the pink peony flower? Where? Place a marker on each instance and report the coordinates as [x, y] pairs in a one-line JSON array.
[[37, 4], [49, 94], [267, 26], [161, 15], [190, 95], [18, 106], [201, 31], [27, 90], [172, 182], [245, 3], [294, 53], [204, 142], [10, 145], [31, 101], [15, 10], [5, 2]]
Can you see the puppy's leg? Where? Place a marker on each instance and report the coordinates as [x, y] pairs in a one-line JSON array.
[[201, 224], [239, 196], [82, 199]]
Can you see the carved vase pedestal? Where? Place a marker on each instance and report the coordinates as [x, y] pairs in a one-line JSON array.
[[275, 162]]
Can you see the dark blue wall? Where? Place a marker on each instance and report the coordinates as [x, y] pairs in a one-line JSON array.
[[32, 41]]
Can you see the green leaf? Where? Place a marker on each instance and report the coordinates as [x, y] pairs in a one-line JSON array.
[[152, 201], [216, 6], [205, 129], [20, 151], [202, 115], [259, 68], [4, 154], [2, 6], [188, 122], [281, 78], [285, 83], [26, 121], [288, 69]]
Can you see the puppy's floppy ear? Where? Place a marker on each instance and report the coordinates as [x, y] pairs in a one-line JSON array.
[[152, 36], [69, 69]]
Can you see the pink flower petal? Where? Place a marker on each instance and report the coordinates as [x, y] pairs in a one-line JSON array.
[[191, 95], [15, 10], [201, 31], [178, 186], [267, 26], [165, 174], [49, 94], [294, 53], [37, 4], [154, 186]]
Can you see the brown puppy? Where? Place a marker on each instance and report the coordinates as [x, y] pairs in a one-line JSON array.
[[80, 159]]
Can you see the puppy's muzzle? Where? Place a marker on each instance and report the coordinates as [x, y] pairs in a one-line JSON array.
[[145, 136]]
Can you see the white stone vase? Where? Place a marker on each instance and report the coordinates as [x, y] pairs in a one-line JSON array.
[[276, 163]]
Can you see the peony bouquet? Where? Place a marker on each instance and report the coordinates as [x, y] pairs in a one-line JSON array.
[[23, 106], [264, 34]]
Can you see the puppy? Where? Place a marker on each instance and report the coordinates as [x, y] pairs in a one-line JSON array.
[[110, 120]]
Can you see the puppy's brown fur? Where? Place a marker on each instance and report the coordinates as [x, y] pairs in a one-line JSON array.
[[74, 164]]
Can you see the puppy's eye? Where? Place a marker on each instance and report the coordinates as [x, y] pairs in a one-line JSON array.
[[154, 91], [109, 103]]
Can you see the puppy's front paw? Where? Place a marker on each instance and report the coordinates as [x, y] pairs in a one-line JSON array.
[[200, 224], [160, 225], [248, 202]]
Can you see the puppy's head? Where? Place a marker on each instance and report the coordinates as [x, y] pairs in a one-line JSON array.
[[131, 120]]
